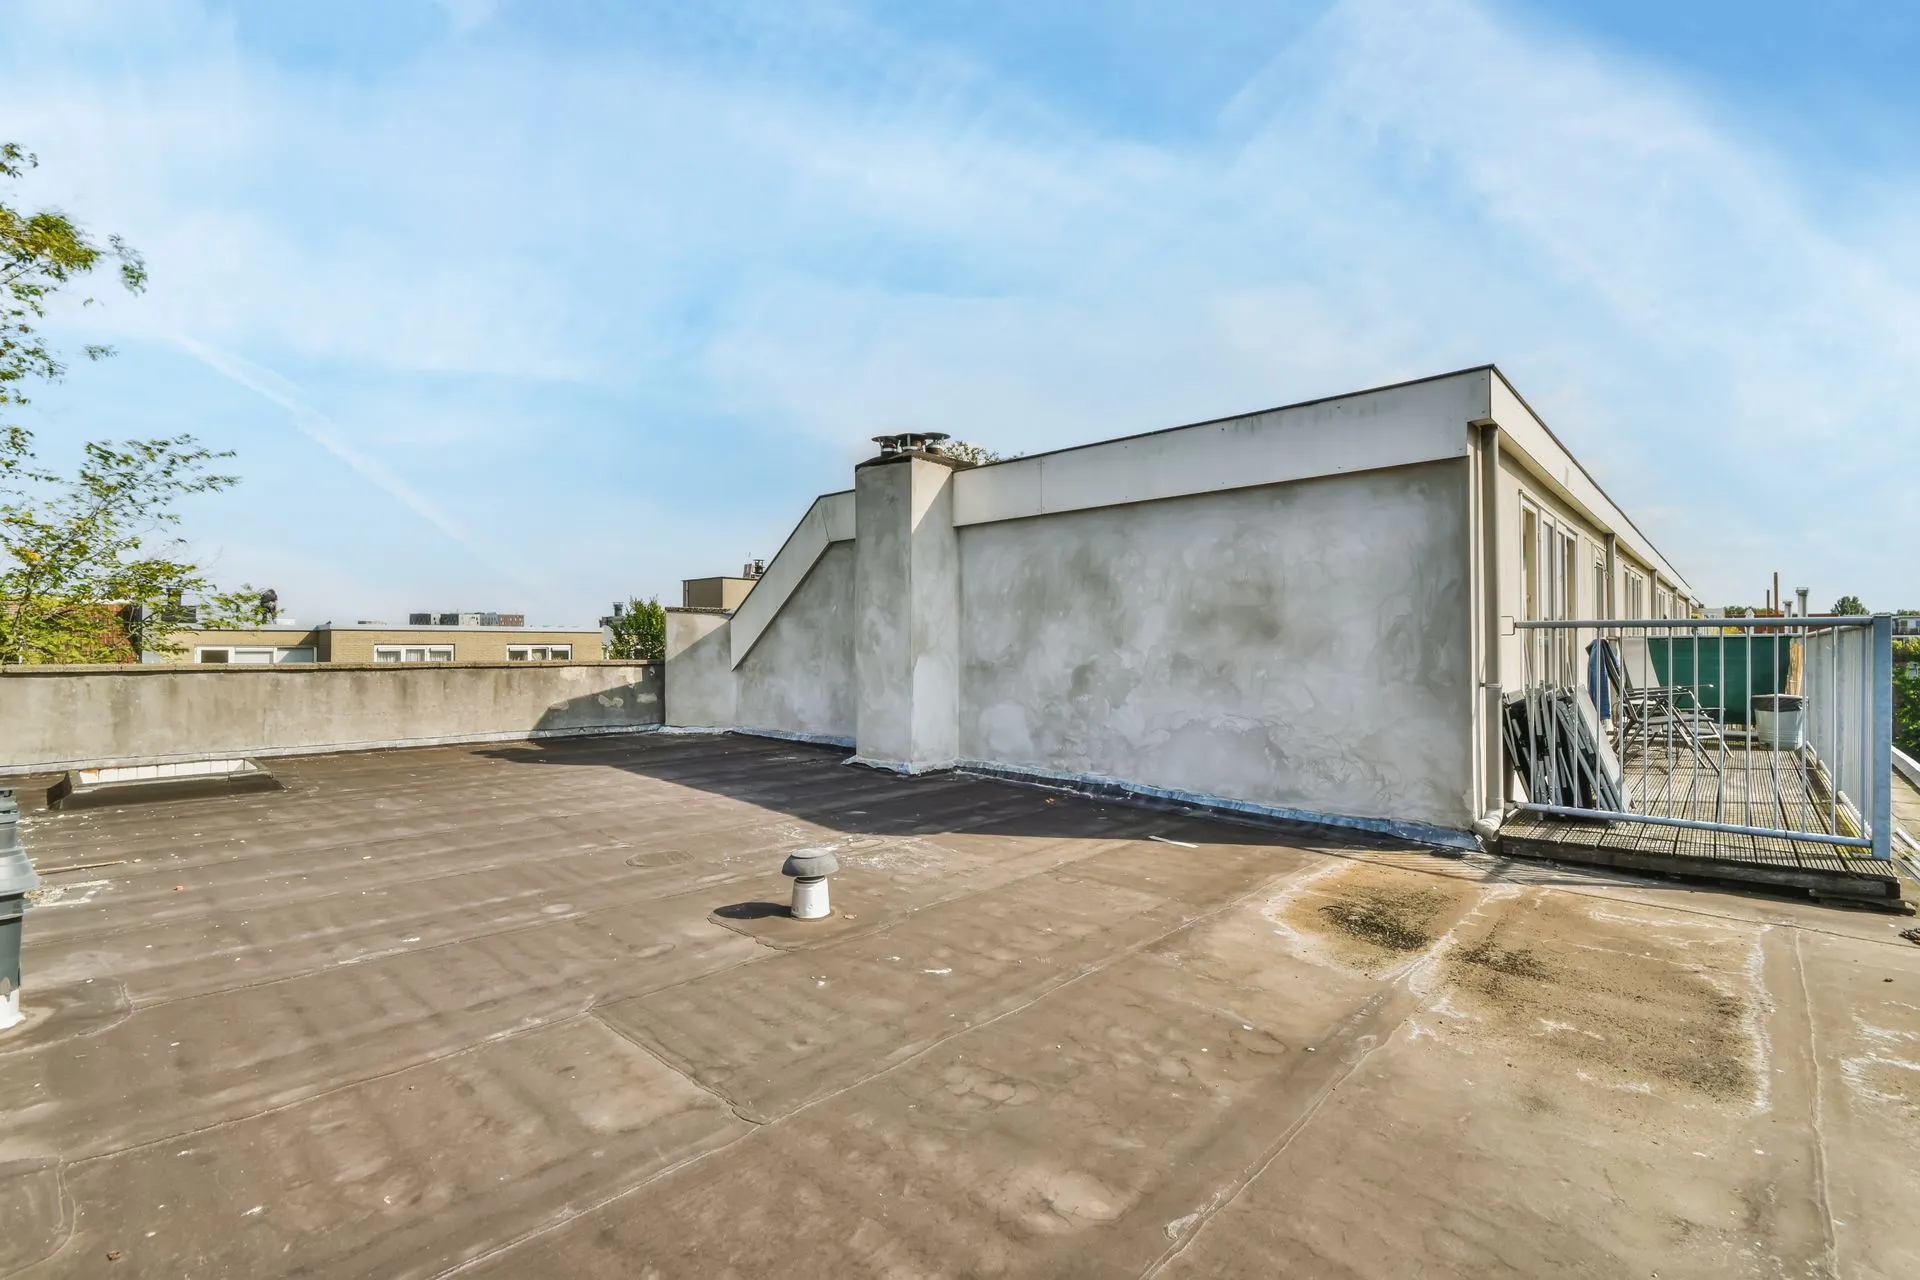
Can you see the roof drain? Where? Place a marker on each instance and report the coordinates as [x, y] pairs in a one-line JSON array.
[[810, 869], [16, 879]]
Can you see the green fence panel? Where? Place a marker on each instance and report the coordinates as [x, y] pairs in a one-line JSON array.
[[1728, 671]]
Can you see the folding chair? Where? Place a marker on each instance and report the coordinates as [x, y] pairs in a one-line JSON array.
[[1644, 710]]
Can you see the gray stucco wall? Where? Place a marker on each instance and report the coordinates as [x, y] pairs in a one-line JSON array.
[[1304, 645], [56, 717], [700, 686], [883, 667], [798, 678], [906, 597]]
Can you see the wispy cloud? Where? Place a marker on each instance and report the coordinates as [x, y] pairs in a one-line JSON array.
[[801, 223]]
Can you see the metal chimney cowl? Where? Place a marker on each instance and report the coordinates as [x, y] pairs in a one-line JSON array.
[[925, 443], [16, 871], [16, 879]]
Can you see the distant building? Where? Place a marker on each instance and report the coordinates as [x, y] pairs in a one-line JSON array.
[[1907, 625], [379, 643], [721, 593], [466, 619]]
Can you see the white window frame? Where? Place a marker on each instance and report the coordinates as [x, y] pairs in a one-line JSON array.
[[1549, 560], [546, 652], [413, 653], [1565, 559], [1636, 604], [257, 655], [1530, 593]]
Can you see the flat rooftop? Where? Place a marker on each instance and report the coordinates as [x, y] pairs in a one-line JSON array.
[[536, 1011]]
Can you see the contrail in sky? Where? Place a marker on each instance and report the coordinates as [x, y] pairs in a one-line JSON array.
[[319, 428]]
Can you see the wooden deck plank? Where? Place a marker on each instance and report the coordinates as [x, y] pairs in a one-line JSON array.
[[1753, 787]]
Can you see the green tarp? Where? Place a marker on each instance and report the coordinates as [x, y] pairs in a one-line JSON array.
[[1728, 672]]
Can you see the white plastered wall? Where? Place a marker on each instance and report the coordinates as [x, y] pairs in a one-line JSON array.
[[1289, 514]]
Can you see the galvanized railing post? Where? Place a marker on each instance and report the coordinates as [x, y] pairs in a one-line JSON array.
[[1814, 784], [1880, 784]]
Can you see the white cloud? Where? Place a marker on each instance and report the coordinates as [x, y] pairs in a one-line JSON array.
[[1410, 188], [825, 230]]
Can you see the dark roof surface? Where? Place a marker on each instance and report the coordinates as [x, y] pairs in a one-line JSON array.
[[536, 1011]]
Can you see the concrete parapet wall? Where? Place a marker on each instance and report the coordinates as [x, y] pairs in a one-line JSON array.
[[73, 717]]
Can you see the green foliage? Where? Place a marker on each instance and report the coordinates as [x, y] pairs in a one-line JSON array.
[[972, 454], [41, 253], [1906, 708], [75, 547], [1848, 607], [639, 632], [236, 610], [79, 580]]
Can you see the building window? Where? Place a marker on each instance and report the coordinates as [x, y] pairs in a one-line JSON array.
[[413, 653], [258, 655], [1530, 563], [1636, 595], [1549, 567], [1565, 557], [539, 653], [1599, 584]]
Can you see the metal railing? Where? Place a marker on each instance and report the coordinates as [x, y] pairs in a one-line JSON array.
[[1753, 728]]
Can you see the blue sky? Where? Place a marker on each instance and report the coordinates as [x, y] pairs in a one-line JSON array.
[[508, 305]]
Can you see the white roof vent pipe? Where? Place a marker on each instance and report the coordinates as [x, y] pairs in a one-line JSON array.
[[810, 869]]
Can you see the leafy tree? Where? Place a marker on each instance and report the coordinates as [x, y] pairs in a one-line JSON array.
[[74, 549], [639, 631], [1906, 708], [79, 580], [41, 253], [248, 607], [1847, 607], [972, 454]]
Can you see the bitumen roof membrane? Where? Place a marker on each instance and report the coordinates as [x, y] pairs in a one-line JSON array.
[[538, 1010]]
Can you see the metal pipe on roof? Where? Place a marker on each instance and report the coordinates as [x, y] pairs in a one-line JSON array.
[[16, 880], [1493, 789]]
